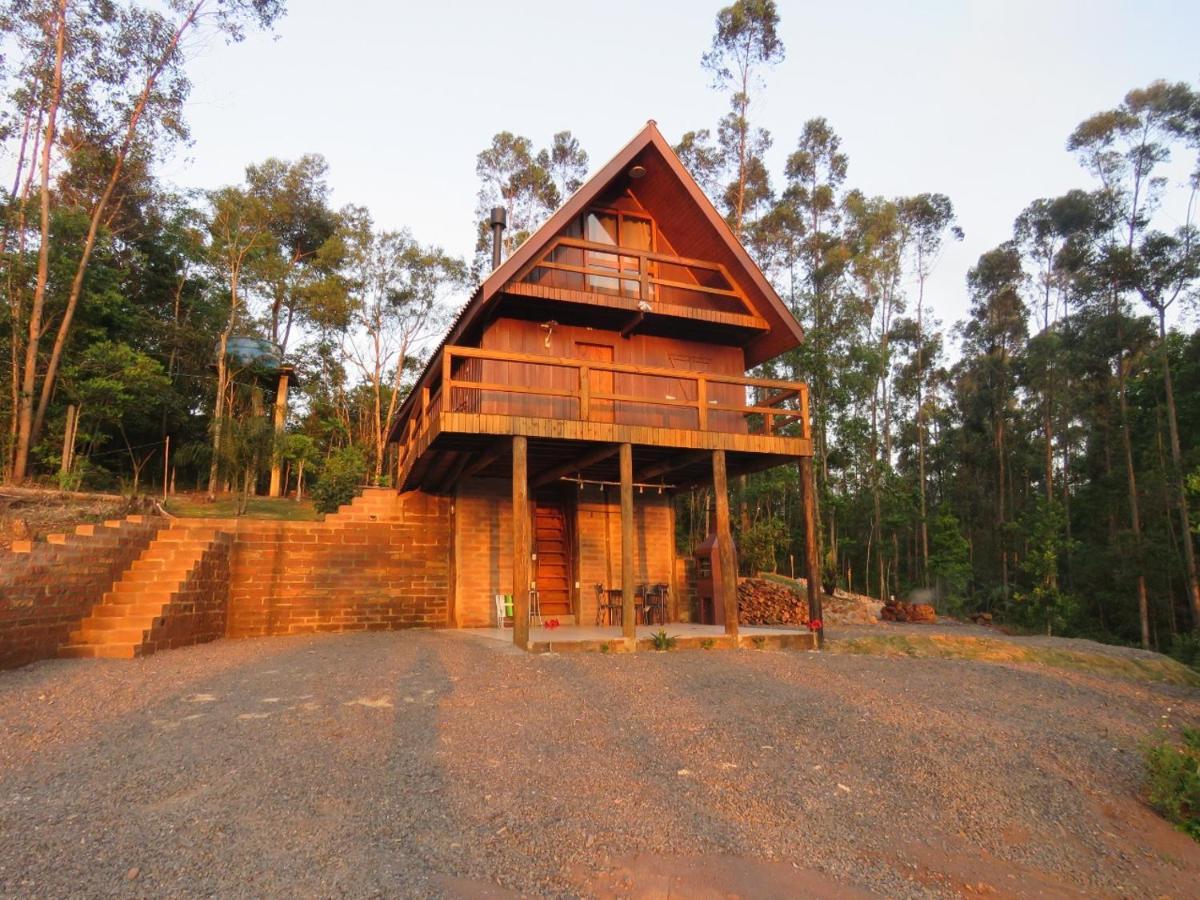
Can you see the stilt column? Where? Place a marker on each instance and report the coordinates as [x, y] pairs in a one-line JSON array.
[[628, 610], [812, 562], [522, 548], [725, 554]]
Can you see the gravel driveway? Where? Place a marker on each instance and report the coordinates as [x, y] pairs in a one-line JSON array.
[[436, 764]]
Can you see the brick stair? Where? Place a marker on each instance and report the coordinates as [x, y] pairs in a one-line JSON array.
[[372, 505], [120, 626]]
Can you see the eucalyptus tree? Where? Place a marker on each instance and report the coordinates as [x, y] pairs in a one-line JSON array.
[[928, 220], [529, 184], [993, 338], [1122, 148], [301, 273], [1167, 267], [746, 42], [239, 236], [400, 292]]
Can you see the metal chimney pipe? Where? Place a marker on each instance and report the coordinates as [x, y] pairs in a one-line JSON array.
[[499, 221]]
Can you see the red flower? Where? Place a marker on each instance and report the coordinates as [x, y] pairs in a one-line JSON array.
[[815, 625], [551, 624]]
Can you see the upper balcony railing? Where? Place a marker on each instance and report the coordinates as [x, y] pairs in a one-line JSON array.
[[487, 383], [654, 278]]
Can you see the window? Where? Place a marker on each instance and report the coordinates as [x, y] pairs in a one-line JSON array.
[[620, 230]]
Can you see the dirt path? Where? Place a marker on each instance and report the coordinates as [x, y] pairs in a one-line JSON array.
[[433, 764]]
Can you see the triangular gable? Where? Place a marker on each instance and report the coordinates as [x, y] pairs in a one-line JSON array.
[[694, 227]]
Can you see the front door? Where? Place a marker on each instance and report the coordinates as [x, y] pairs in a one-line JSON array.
[[553, 569]]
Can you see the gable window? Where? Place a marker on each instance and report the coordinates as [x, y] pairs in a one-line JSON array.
[[622, 230]]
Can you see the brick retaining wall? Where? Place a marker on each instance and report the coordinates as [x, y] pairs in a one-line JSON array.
[[384, 564]]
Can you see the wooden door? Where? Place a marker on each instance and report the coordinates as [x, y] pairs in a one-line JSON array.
[[553, 548], [599, 382]]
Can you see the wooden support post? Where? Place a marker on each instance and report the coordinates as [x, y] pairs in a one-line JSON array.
[[522, 544], [812, 565], [725, 554], [628, 611], [280, 422]]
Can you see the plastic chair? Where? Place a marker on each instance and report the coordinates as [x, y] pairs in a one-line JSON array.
[[504, 608]]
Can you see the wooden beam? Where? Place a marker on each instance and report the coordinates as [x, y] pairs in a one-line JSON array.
[[725, 554], [522, 543], [808, 497], [671, 464], [628, 611], [451, 477], [485, 459], [580, 462]]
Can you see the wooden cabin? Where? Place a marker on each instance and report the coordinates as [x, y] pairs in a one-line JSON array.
[[596, 372]]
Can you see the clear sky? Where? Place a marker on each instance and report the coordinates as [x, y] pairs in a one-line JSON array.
[[972, 99]]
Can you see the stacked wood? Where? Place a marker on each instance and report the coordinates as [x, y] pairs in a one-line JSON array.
[[981, 618], [762, 602], [898, 611]]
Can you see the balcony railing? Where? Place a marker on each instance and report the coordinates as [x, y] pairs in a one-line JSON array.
[[485, 383], [654, 278]]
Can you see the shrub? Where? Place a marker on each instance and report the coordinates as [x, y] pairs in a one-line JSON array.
[[1173, 780], [340, 479], [1185, 647], [662, 640]]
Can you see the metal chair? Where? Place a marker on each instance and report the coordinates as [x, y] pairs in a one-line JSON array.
[[656, 600]]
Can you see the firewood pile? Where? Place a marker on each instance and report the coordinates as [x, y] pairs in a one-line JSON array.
[[898, 611], [981, 618], [762, 602]]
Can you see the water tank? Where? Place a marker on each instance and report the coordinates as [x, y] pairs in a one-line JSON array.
[[252, 351]]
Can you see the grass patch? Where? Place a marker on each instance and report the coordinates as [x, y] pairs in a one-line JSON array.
[[936, 646], [1173, 781], [277, 508]]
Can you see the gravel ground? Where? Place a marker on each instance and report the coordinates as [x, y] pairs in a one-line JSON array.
[[437, 764]]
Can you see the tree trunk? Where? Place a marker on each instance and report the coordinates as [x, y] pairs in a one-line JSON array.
[[1189, 544], [24, 412]]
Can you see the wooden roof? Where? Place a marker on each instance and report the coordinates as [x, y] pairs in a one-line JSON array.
[[683, 214]]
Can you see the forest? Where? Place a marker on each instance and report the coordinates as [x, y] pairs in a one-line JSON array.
[[1039, 459]]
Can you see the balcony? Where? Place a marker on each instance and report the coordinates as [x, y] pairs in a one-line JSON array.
[[478, 392], [639, 281]]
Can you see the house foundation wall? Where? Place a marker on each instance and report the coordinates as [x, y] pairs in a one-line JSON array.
[[484, 546]]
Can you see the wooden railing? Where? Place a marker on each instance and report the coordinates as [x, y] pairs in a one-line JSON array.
[[643, 275], [490, 382]]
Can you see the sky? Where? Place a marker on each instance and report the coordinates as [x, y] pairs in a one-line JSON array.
[[971, 99]]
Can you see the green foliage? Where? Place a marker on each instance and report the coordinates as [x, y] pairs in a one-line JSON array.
[[1185, 647], [1173, 781], [760, 544], [1044, 529], [662, 641], [340, 480], [949, 560]]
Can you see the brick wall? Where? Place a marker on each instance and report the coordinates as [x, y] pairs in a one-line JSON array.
[[385, 564], [48, 588], [599, 529], [483, 554]]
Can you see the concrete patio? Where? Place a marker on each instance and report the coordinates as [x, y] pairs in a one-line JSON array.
[[687, 635]]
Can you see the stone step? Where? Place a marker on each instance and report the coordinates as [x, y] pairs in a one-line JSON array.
[[119, 611], [127, 634]]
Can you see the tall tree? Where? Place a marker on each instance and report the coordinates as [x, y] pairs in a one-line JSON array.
[[745, 43], [401, 288]]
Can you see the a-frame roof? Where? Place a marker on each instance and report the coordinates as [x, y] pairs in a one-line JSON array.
[[683, 213]]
